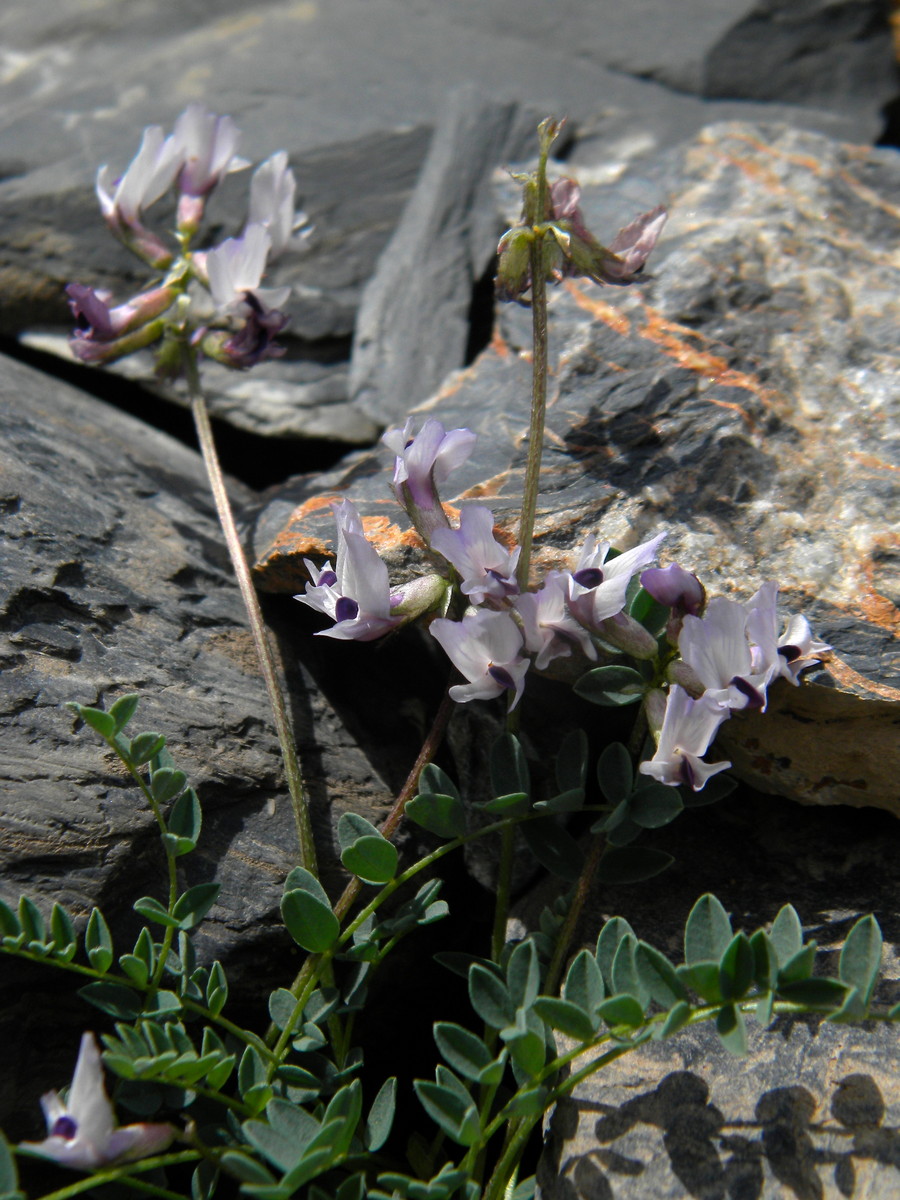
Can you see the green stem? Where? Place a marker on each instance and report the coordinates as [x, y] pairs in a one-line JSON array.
[[125, 1173], [504, 888], [538, 406], [254, 615]]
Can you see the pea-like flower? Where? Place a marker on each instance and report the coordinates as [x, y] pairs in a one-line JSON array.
[[687, 730], [549, 630], [717, 648], [82, 1132], [272, 193], [355, 592], [486, 647], [791, 652], [422, 463], [486, 567], [597, 587]]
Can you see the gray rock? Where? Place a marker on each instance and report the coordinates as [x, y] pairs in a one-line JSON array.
[[351, 91], [711, 401], [413, 323], [115, 580]]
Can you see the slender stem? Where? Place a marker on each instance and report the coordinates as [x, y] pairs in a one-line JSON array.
[[504, 888], [538, 407], [582, 890], [124, 1173], [254, 615]]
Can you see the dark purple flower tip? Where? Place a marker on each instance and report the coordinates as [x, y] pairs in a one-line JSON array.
[[502, 676], [327, 579], [509, 586], [590, 577], [675, 587], [255, 340], [790, 653], [755, 698], [346, 609], [686, 772], [90, 310], [64, 1127]]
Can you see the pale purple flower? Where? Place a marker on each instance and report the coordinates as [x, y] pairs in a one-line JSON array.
[[82, 1133], [423, 462], [687, 730], [486, 647], [620, 262], [676, 588], [99, 323], [633, 244], [205, 146], [272, 191], [785, 655], [236, 267], [148, 176], [487, 569], [597, 587], [717, 649], [549, 630], [355, 593]]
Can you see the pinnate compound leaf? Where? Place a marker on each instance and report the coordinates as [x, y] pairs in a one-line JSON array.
[[624, 970], [523, 974], [152, 910], [123, 709], [676, 1018], [436, 781], [101, 722], [611, 687], [309, 921], [98, 942], [615, 773], [572, 762], [736, 968], [184, 823], [861, 956], [193, 905], [9, 922], [372, 859], [464, 1051], [112, 998], [509, 770], [564, 802], [658, 977], [815, 991], [458, 1119], [566, 1017], [632, 864], [489, 998], [145, 746], [786, 934], [583, 986], [622, 1010], [32, 921], [381, 1116], [765, 962], [853, 1009], [62, 931], [612, 933], [732, 1029], [554, 848], [166, 783], [443, 815], [800, 966], [282, 1005], [655, 805], [707, 933], [703, 978]]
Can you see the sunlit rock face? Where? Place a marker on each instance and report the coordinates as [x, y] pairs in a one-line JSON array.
[[746, 398]]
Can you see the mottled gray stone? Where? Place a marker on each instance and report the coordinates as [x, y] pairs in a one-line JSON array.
[[115, 580], [351, 90], [413, 323], [745, 398]]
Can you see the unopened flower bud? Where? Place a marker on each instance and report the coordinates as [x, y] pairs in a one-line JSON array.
[[629, 635], [514, 269], [679, 672], [655, 710], [427, 594], [94, 351]]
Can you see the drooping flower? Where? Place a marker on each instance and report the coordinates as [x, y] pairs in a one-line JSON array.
[[785, 655], [206, 148], [422, 463], [236, 267], [272, 192], [676, 588], [486, 647], [717, 649], [82, 1132], [597, 587], [355, 592], [687, 730], [487, 568], [549, 630], [619, 263], [148, 176], [102, 331]]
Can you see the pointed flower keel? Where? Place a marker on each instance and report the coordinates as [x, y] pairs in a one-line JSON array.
[[486, 648], [82, 1132], [688, 728]]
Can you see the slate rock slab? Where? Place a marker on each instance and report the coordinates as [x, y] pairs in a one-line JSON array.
[[115, 580], [745, 398], [812, 1108]]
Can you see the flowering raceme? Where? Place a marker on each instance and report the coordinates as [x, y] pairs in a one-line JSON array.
[[212, 300]]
